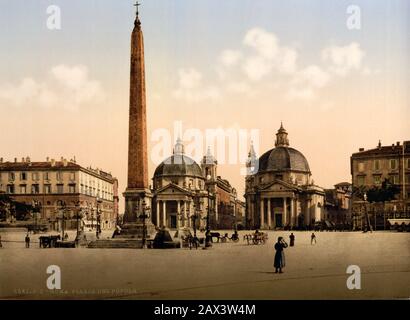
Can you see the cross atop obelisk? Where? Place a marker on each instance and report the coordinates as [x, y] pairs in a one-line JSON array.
[[137, 19], [137, 4]]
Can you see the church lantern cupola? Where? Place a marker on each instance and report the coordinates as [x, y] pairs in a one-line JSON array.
[[282, 137]]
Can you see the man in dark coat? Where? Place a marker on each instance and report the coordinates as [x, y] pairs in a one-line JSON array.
[[279, 262], [292, 239], [27, 240], [312, 238]]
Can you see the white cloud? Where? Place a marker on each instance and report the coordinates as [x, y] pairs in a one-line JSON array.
[[265, 43], [263, 60], [256, 68], [343, 59], [268, 55], [66, 87], [312, 76], [191, 88], [230, 58]]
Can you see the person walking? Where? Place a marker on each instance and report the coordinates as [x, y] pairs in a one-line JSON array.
[[279, 262], [313, 238], [27, 240], [292, 240]]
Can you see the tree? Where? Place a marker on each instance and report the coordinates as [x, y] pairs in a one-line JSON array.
[[386, 192]]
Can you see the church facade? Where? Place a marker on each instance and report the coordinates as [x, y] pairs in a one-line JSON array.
[[184, 193], [279, 190]]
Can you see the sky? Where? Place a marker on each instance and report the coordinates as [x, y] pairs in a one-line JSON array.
[[336, 75]]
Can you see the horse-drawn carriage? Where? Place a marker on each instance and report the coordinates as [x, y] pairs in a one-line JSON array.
[[224, 238], [256, 238], [48, 241]]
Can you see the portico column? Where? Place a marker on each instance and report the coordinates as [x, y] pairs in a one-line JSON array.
[[307, 219], [262, 214], [269, 215], [178, 214], [285, 212], [158, 222], [185, 214], [292, 212], [164, 213]]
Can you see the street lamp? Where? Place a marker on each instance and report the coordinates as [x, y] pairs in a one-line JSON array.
[[369, 227], [98, 214], [194, 217], [78, 216], [62, 205], [208, 242], [145, 214], [36, 211]]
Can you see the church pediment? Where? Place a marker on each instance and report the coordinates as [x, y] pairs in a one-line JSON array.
[[279, 186], [171, 189]]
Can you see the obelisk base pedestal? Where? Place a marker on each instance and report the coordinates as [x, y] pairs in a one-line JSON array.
[[136, 231]]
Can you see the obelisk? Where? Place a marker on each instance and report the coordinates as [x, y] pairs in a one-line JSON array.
[[137, 195]]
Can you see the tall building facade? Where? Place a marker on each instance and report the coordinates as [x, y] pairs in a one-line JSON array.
[[369, 168], [57, 186], [280, 192]]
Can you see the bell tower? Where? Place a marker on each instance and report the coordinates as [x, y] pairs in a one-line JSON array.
[[209, 166]]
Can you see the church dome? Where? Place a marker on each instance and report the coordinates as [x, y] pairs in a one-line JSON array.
[[283, 157], [178, 164]]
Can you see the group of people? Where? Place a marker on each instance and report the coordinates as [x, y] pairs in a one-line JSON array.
[[280, 245]]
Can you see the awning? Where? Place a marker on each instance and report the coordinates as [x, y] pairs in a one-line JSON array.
[[399, 221]]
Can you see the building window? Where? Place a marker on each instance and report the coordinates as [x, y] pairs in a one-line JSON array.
[[361, 166], [10, 188], [72, 176], [60, 188], [408, 163], [71, 188], [46, 176], [23, 176], [35, 189], [35, 176], [360, 180], [59, 176], [407, 178], [393, 164], [376, 165], [377, 179], [394, 178], [23, 189], [47, 188], [12, 176]]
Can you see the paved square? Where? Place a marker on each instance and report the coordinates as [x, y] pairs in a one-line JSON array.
[[227, 271]]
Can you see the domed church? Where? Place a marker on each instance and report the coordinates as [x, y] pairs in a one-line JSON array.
[[279, 190], [184, 190]]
